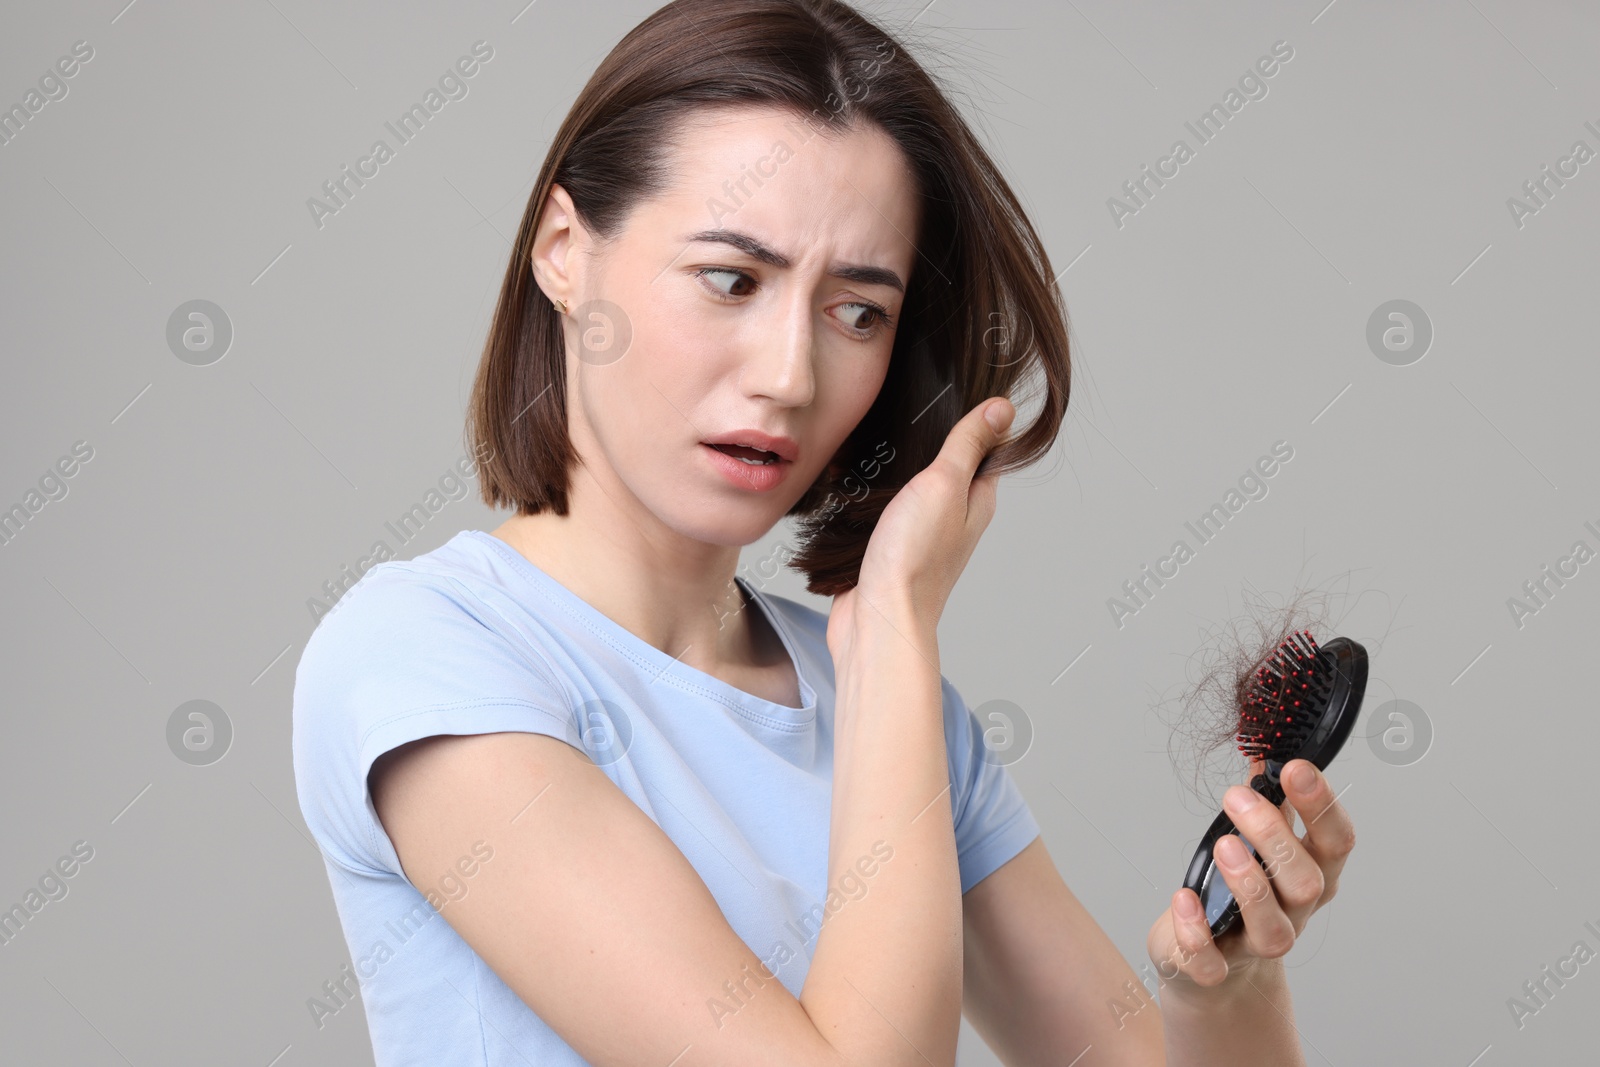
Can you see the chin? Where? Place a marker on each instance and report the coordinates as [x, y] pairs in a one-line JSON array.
[[716, 520], [727, 528]]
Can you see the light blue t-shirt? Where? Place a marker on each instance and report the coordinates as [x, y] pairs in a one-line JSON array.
[[474, 638]]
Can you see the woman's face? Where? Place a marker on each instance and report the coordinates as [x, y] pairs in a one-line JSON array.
[[747, 298]]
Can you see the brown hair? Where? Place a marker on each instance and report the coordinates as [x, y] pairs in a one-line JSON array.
[[981, 315]]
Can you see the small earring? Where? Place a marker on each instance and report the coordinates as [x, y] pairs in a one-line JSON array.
[[563, 304]]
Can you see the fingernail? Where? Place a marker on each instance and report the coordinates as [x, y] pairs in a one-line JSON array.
[[1188, 908], [1240, 799], [995, 416], [1231, 853], [1302, 777]]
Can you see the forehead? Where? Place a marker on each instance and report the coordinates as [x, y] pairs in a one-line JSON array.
[[765, 172]]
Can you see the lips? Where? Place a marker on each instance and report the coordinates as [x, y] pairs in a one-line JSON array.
[[744, 472], [755, 446], [749, 455]]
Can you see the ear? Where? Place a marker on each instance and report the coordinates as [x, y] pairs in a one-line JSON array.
[[555, 241]]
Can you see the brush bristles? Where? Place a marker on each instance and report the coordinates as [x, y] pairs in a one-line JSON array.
[[1280, 701]]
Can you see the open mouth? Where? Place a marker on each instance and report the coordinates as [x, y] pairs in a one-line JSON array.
[[755, 457]]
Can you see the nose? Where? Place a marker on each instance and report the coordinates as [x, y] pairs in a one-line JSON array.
[[782, 367]]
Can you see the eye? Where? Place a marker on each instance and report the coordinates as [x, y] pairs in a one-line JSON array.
[[878, 317], [739, 275]]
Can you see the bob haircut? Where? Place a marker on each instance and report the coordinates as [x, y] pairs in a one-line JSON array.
[[982, 314]]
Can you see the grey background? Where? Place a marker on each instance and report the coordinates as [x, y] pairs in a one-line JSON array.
[[1229, 313]]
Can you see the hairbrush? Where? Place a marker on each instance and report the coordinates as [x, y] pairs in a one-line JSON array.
[[1300, 704]]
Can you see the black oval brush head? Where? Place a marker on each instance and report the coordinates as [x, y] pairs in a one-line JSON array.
[[1301, 703]]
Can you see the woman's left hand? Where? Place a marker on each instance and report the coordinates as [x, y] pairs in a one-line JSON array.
[[1276, 897]]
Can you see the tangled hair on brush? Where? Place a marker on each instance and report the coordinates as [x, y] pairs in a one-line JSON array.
[[1207, 718]]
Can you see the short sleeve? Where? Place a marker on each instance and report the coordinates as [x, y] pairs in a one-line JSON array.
[[406, 655], [992, 819]]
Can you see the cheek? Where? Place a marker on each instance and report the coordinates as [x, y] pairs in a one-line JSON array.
[[852, 389], [846, 392], [640, 407]]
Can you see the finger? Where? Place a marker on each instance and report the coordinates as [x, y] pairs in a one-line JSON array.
[[1330, 834], [1268, 932], [1286, 884], [1195, 952], [1297, 876], [974, 437]]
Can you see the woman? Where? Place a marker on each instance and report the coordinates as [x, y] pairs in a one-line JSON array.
[[766, 271]]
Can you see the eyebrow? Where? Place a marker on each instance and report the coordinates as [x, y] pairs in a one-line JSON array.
[[756, 250]]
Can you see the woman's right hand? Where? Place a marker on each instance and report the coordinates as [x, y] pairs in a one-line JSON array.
[[927, 533]]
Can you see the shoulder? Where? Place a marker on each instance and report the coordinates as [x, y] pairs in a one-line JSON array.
[[391, 603], [430, 645], [394, 597], [438, 629]]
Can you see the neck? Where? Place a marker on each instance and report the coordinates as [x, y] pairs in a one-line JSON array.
[[675, 593]]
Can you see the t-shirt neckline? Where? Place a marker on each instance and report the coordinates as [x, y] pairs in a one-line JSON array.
[[658, 663]]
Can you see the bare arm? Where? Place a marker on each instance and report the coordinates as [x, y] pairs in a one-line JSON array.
[[885, 979], [1247, 1021], [1044, 984], [893, 972], [589, 912]]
